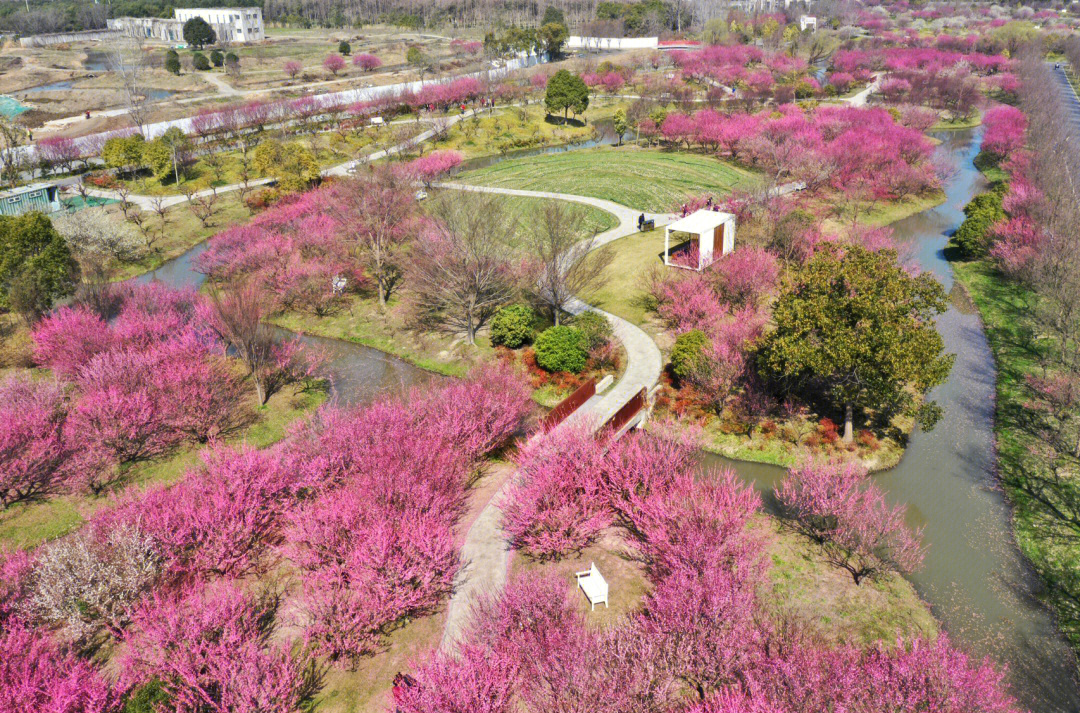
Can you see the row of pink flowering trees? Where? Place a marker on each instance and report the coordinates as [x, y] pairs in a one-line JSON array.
[[703, 638], [127, 389], [357, 506]]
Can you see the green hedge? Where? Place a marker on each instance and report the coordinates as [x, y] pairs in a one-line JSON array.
[[561, 348]]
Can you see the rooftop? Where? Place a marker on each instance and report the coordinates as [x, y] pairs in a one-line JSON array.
[[701, 221]]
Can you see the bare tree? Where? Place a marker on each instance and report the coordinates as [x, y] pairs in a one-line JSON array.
[[13, 157], [461, 270], [237, 317], [127, 60], [201, 204], [569, 261]]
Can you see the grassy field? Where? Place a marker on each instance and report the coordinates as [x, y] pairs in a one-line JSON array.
[[361, 321], [28, 525], [639, 178], [1043, 533]]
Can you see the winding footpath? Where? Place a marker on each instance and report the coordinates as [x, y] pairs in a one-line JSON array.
[[486, 551]]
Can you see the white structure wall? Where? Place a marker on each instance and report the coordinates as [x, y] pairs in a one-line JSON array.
[[232, 24]]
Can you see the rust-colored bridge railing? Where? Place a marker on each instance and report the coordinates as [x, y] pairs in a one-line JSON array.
[[624, 415], [568, 405]]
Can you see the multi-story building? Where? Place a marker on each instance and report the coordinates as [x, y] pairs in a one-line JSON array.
[[230, 24], [238, 24]]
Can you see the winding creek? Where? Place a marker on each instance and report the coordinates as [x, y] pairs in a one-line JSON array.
[[974, 578]]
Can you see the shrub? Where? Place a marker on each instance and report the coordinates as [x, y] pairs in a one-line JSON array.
[[512, 326], [981, 213], [217, 58], [688, 353], [200, 62], [561, 349], [595, 327], [344, 48], [172, 62]]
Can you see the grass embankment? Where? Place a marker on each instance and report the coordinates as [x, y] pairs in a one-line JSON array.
[[803, 586], [28, 525], [1043, 531], [968, 122], [360, 321], [642, 179]]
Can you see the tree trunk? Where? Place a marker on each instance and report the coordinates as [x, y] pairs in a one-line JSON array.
[[260, 390], [847, 428]]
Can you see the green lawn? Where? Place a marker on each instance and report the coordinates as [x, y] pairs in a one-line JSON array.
[[643, 179], [624, 293]]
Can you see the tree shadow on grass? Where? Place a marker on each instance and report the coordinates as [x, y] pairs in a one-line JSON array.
[[562, 121]]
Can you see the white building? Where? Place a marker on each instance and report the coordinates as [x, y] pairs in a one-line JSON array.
[[230, 24], [806, 21]]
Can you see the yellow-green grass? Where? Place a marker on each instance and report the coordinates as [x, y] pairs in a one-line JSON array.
[[182, 231], [518, 128], [28, 525], [826, 598], [624, 292], [969, 122], [643, 179], [360, 321]]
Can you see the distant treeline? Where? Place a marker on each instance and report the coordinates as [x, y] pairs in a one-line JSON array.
[[631, 18]]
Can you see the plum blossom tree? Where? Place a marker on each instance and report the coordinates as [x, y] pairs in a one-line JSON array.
[[90, 581], [437, 163], [835, 505], [376, 217], [366, 62], [558, 505], [33, 451], [37, 674], [293, 68], [334, 63], [1005, 127], [208, 650], [237, 318]]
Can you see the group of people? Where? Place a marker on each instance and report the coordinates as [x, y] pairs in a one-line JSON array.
[[709, 205]]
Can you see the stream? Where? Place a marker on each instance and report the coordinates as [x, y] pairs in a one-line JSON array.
[[974, 578]]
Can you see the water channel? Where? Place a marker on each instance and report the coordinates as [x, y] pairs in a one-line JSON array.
[[974, 578], [976, 581]]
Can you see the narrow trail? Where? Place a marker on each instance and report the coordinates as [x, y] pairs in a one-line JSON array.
[[486, 551]]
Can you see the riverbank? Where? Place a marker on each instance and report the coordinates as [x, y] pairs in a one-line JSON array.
[[1041, 500]]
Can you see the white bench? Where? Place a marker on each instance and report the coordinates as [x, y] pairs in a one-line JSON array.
[[594, 585]]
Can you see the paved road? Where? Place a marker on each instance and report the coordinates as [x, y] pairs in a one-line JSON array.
[[1072, 102], [486, 551]]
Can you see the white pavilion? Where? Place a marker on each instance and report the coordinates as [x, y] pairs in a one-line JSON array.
[[700, 234]]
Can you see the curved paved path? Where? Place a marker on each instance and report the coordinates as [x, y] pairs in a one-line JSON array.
[[486, 552]]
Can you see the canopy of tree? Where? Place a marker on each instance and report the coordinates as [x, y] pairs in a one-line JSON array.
[[854, 326], [36, 265], [566, 92], [198, 33]]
